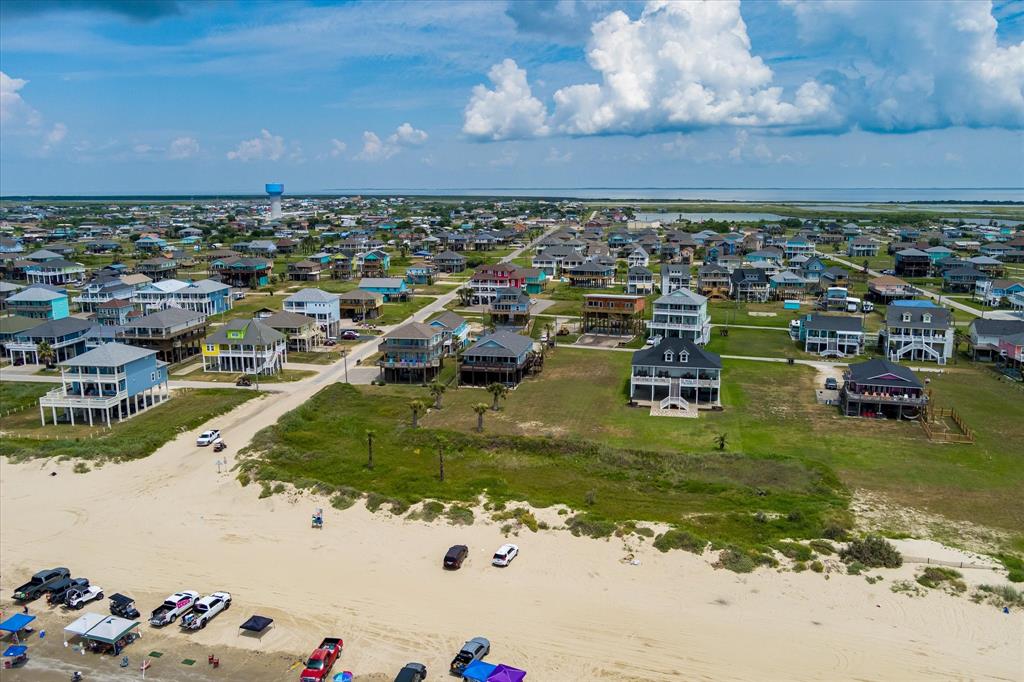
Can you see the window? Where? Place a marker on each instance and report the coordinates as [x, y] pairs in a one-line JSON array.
[[152, 376], [926, 317], [668, 356], [906, 317]]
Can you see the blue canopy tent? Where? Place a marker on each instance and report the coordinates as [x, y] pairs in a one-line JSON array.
[[16, 624], [478, 671]]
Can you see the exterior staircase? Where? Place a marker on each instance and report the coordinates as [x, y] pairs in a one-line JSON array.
[[674, 405]]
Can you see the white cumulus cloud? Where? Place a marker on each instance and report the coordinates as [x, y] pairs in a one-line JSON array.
[[406, 134], [683, 65], [14, 110], [376, 149], [906, 66], [266, 146], [183, 148], [509, 110], [337, 147]]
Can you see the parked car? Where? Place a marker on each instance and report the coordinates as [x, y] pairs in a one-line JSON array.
[[455, 556], [323, 658], [831, 384], [43, 581], [350, 335], [243, 381], [60, 593], [177, 604], [331, 342], [219, 445], [473, 650], [505, 554], [80, 596], [205, 609], [412, 672], [207, 437]]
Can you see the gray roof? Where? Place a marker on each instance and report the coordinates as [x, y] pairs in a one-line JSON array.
[[206, 286], [939, 316], [449, 320], [682, 295], [311, 296], [256, 334], [500, 344], [881, 372], [288, 320], [674, 268], [594, 268], [412, 330], [833, 323], [108, 355], [168, 317], [55, 328], [449, 255], [381, 282], [35, 294], [361, 295], [17, 323], [911, 252], [695, 355], [987, 327], [637, 271]]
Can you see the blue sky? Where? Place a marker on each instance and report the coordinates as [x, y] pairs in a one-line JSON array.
[[112, 96]]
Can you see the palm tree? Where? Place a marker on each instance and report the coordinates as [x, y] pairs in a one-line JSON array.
[[417, 407], [465, 295], [481, 410], [498, 391], [437, 390], [720, 441], [45, 353], [369, 448], [959, 338]]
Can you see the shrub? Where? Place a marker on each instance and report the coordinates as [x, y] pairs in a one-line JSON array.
[[743, 561], [873, 552], [265, 490], [854, 568], [430, 510], [794, 550], [795, 516], [822, 547], [590, 498], [543, 525], [834, 531], [81, 468], [244, 478], [590, 526], [1003, 595], [374, 501], [278, 488], [521, 515], [937, 576], [817, 567], [799, 567], [458, 515], [343, 500], [1015, 575], [680, 539], [644, 531]]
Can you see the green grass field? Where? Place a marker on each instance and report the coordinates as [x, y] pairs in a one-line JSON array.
[[132, 439], [283, 376], [570, 431], [393, 313]]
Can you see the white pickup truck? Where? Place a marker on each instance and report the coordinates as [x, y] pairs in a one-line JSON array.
[[205, 609], [178, 604]]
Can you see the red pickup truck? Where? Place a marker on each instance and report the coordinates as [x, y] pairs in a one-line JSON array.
[[320, 662]]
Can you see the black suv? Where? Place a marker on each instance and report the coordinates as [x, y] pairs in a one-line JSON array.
[[412, 672], [455, 556]]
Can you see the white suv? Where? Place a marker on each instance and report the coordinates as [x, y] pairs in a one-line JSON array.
[[505, 555], [207, 437]]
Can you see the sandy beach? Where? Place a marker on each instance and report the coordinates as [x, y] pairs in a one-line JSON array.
[[567, 608]]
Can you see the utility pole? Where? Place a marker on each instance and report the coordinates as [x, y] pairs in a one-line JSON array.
[[344, 357]]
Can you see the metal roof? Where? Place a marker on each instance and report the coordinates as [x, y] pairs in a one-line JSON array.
[[108, 355]]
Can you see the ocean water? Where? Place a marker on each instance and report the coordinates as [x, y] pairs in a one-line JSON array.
[[694, 217]]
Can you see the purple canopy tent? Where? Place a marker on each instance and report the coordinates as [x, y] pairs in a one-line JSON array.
[[506, 673]]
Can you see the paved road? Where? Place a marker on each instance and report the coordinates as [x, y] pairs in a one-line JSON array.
[[989, 314]]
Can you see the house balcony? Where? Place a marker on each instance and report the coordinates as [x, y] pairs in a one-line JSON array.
[[680, 326], [408, 364], [887, 398], [58, 398], [915, 338], [642, 380], [93, 377]]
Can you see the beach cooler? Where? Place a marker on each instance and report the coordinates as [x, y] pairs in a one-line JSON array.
[[345, 676]]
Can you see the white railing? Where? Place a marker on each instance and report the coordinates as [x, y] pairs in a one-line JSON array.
[[91, 377], [58, 398], [665, 381]]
